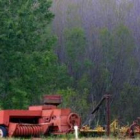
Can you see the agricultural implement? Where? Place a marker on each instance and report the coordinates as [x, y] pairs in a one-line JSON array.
[[113, 128], [99, 130], [39, 120], [134, 129]]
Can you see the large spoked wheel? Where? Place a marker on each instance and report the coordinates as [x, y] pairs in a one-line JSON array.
[[3, 132], [73, 120]]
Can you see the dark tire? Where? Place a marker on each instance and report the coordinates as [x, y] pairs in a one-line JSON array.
[[3, 132]]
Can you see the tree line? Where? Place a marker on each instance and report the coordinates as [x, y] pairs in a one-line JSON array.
[[78, 49], [98, 41]]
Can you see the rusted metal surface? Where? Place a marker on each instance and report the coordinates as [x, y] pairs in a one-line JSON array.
[[107, 97], [99, 129], [38, 120], [52, 99], [73, 120], [133, 130], [26, 130]]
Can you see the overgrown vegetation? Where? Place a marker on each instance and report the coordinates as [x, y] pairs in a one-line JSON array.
[[84, 54], [98, 43]]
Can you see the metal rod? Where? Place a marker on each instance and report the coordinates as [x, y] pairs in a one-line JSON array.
[[108, 114], [98, 105]]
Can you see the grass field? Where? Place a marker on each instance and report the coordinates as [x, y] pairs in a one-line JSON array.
[[49, 138], [69, 139]]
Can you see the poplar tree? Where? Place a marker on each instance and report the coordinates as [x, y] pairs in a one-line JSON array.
[[28, 65]]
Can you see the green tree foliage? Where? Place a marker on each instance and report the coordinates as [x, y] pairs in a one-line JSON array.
[[108, 57], [28, 65], [72, 98], [96, 51], [75, 44], [128, 101], [118, 64], [100, 47]]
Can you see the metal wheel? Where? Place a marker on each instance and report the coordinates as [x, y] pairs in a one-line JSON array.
[[73, 119], [3, 132]]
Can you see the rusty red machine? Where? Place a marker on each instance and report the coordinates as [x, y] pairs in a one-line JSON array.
[[39, 120]]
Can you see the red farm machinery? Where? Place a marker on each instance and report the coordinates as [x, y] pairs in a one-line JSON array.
[[39, 120]]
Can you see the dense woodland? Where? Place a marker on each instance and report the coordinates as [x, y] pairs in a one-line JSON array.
[[80, 49]]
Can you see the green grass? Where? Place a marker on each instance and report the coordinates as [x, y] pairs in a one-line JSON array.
[[70, 137], [49, 138]]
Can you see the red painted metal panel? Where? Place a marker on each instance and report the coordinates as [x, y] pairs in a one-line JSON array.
[[5, 115], [39, 119]]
